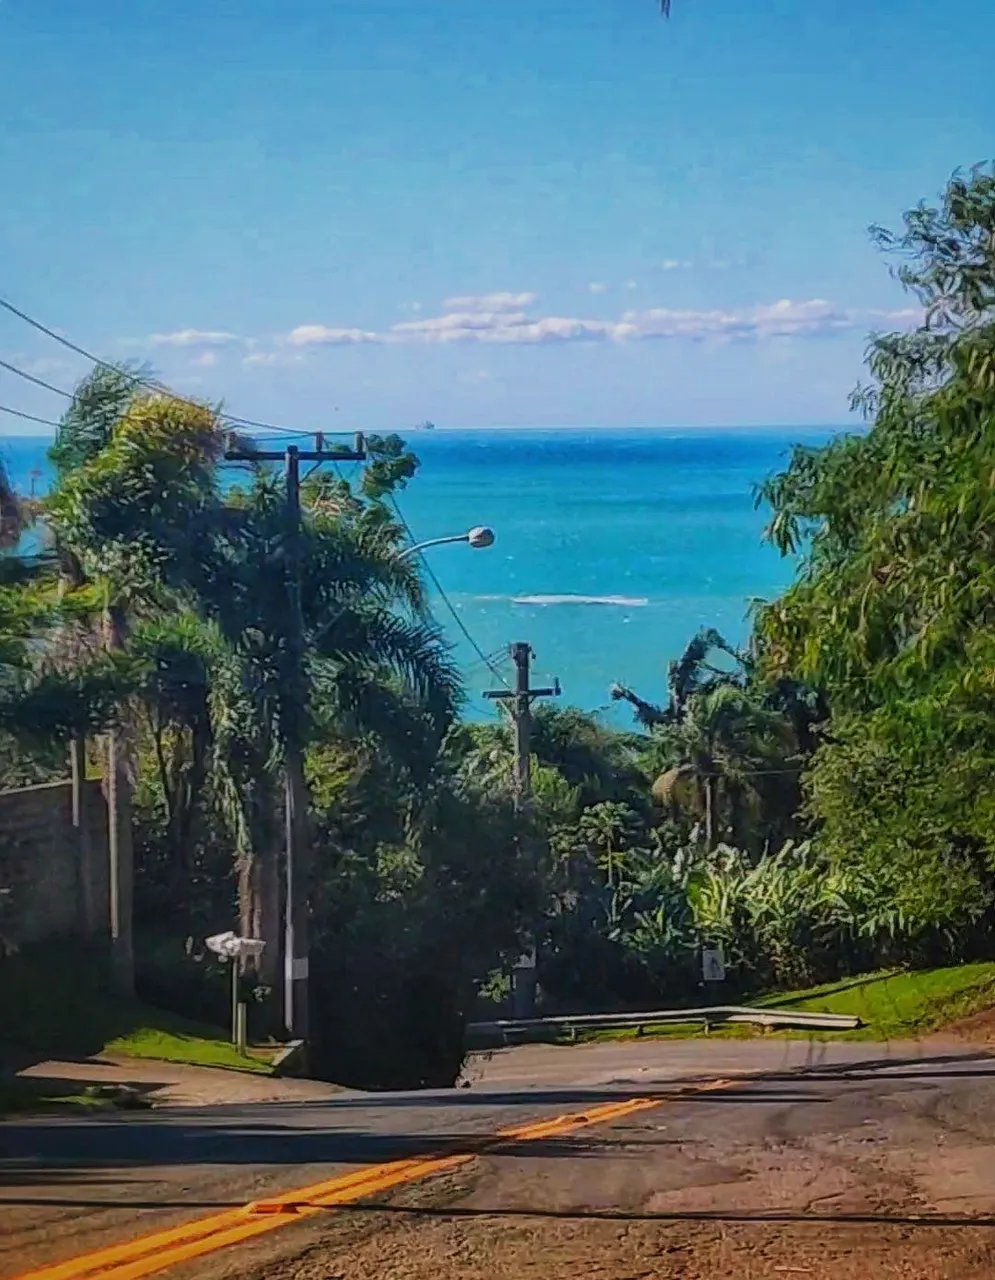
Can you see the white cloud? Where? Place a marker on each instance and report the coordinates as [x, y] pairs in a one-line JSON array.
[[632, 284], [782, 319], [597, 287], [904, 318], [263, 359], [206, 360], [675, 264], [501, 327], [195, 338], [785, 318], [490, 302], [319, 335]]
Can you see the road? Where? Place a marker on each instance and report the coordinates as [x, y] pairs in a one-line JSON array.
[[841, 1160]]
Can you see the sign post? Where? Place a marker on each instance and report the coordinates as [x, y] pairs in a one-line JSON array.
[[229, 946]]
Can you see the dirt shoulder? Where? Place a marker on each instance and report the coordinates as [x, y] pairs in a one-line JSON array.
[[172, 1084]]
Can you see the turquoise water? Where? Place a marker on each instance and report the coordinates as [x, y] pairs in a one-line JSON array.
[[613, 547]]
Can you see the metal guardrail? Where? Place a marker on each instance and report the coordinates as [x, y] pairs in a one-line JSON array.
[[783, 1019]]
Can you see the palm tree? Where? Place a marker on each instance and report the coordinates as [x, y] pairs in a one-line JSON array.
[[687, 675], [729, 743], [372, 665], [144, 516], [134, 475]]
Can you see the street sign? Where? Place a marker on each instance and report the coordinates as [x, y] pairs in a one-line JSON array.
[[713, 965], [230, 946]]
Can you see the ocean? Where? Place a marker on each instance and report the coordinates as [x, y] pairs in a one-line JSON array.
[[612, 547]]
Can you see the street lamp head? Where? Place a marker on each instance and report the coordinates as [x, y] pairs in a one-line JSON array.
[[480, 536]]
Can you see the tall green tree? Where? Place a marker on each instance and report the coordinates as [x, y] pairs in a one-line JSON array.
[[891, 614]]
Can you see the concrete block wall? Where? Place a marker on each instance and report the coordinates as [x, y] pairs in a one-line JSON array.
[[55, 879]]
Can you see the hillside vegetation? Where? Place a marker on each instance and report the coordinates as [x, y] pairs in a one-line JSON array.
[[819, 801]]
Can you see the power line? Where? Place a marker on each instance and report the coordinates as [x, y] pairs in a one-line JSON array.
[[28, 417], [495, 671], [39, 382], [134, 378]]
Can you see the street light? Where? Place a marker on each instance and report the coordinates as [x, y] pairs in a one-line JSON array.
[[477, 537]]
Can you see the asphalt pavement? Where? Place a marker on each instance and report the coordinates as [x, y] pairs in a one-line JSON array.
[[70, 1184]]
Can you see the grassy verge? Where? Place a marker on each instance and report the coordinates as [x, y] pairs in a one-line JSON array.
[[58, 1002], [892, 1006]]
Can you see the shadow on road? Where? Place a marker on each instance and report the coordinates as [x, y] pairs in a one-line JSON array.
[[47, 1155]]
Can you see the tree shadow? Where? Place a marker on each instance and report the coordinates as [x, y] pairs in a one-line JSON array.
[[68, 1095], [39, 1154], [847, 984]]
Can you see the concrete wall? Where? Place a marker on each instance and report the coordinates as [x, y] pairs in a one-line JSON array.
[[55, 878]]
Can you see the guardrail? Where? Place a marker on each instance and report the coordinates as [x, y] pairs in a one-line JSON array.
[[781, 1019]]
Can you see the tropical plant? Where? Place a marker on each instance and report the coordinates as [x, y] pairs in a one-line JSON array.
[[892, 609]]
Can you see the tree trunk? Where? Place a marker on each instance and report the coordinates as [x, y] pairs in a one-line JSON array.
[[120, 846], [89, 925], [709, 812], [260, 898], [259, 902], [299, 870]]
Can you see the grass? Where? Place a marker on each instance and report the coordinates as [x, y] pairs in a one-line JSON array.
[[57, 1001], [891, 1005]]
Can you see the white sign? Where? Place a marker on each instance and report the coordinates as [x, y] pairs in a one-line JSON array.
[[713, 965], [229, 945]]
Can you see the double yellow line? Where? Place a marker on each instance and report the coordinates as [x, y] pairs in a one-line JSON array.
[[151, 1253]]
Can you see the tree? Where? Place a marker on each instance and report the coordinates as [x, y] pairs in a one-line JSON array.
[[730, 746], [892, 608], [145, 517], [373, 664], [131, 514], [687, 675]]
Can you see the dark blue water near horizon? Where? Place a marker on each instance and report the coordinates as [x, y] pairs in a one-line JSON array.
[[613, 546]]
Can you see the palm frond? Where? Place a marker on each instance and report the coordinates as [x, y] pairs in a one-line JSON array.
[[99, 401]]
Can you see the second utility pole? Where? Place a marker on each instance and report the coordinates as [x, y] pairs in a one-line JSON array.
[[520, 702], [296, 1005]]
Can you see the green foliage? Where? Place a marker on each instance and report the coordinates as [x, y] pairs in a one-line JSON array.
[[891, 612], [99, 402], [820, 802], [57, 1000]]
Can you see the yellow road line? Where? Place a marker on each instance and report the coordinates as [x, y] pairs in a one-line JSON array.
[[148, 1254]]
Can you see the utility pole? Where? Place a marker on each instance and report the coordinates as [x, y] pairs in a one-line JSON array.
[[519, 704], [298, 850]]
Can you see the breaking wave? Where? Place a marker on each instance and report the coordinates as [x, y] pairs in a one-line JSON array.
[[629, 602]]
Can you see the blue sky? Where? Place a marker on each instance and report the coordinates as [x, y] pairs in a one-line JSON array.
[[364, 213]]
